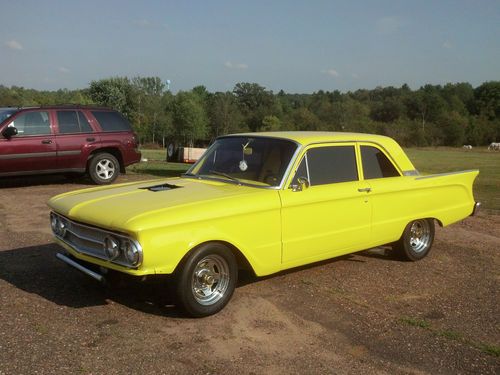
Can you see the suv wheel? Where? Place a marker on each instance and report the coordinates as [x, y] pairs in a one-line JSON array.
[[103, 168]]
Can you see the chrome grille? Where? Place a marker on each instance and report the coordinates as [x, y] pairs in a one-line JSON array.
[[89, 240]]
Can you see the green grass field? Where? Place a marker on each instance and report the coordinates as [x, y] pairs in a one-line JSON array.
[[426, 160]]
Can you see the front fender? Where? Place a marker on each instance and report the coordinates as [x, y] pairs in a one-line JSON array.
[[256, 235]]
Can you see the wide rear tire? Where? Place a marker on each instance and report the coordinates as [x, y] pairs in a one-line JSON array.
[[416, 241]]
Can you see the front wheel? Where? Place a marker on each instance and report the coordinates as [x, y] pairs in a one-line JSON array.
[[417, 239], [103, 168], [206, 281]]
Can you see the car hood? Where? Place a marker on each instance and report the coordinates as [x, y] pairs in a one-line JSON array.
[[138, 206]]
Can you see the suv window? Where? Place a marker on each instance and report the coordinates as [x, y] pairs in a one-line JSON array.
[[32, 123], [376, 164], [111, 121], [6, 113], [327, 165], [72, 122]]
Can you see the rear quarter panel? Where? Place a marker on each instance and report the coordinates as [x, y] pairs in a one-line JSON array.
[[447, 197]]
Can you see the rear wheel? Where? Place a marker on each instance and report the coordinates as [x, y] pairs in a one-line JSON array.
[[103, 168], [206, 281], [417, 239]]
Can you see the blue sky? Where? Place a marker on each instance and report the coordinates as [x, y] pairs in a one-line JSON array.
[[297, 46]]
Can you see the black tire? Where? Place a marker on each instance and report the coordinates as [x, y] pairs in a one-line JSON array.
[[206, 279], [416, 241], [103, 168]]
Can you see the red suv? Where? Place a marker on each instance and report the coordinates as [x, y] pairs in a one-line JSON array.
[[82, 139]]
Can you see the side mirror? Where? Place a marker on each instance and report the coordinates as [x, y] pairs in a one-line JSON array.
[[9, 132], [302, 184]]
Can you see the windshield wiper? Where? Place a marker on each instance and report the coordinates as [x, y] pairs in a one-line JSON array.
[[218, 173], [189, 174]]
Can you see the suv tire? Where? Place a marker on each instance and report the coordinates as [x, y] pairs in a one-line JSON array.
[[103, 168]]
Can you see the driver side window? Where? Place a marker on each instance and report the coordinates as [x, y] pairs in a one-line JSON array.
[[32, 123]]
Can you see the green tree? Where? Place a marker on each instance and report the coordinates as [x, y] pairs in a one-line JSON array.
[[271, 124], [225, 115], [487, 100], [189, 118], [255, 103], [117, 93]]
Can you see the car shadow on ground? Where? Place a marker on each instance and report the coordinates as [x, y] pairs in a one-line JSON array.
[[24, 181], [382, 252], [35, 269]]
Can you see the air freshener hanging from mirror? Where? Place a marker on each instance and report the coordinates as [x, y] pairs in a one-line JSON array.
[[243, 164]]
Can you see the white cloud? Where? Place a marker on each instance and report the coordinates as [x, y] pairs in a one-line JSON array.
[[230, 65], [388, 25], [330, 72], [354, 75], [64, 70], [14, 44], [447, 45], [144, 23]]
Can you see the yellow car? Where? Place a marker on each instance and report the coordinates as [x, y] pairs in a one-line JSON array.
[[261, 201]]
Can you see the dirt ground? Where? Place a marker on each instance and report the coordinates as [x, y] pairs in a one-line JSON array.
[[363, 313]]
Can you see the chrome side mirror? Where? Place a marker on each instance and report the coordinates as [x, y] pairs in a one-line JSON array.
[[302, 184]]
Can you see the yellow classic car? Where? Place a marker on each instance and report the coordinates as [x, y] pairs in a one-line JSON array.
[[259, 201]]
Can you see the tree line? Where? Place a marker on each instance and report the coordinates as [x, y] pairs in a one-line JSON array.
[[433, 115]]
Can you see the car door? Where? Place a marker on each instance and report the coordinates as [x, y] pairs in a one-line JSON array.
[[33, 148], [75, 139], [330, 217], [391, 194]]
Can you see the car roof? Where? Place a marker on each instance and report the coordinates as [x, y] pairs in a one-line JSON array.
[[305, 138], [308, 137]]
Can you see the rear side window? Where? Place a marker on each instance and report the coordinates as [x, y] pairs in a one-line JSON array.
[[112, 121], [72, 122], [376, 164], [32, 123], [332, 164], [84, 123]]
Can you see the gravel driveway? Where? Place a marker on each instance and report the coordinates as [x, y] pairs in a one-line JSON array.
[[362, 313]]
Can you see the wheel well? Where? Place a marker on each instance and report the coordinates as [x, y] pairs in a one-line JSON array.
[[438, 221], [110, 150], [241, 260]]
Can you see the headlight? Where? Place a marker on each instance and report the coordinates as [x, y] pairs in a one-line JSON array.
[[131, 252], [58, 225], [54, 223], [111, 248], [61, 228]]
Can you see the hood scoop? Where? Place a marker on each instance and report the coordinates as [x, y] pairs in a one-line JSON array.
[[161, 187]]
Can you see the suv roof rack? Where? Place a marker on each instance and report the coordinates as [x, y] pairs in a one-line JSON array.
[[95, 106], [69, 105]]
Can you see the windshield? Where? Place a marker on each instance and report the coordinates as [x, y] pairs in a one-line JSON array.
[[6, 113], [250, 160]]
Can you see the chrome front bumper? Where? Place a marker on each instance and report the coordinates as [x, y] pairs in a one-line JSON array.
[[79, 267]]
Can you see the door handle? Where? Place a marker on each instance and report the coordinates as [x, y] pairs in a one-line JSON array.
[[90, 139], [47, 141], [363, 190]]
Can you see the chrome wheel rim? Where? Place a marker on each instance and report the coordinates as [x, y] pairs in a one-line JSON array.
[[210, 279], [420, 235], [105, 169]]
